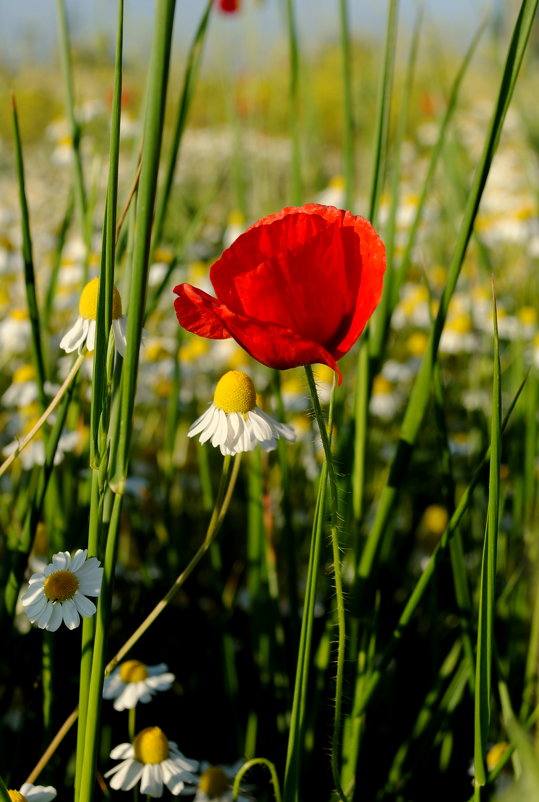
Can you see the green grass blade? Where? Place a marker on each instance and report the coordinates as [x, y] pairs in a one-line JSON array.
[[487, 592], [75, 130], [420, 394], [402, 269], [380, 320], [349, 124], [429, 572], [106, 282], [293, 49], [382, 118], [364, 375], [190, 77], [29, 274], [151, 148]]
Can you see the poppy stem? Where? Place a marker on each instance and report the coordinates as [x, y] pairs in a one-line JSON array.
[[341, 625]]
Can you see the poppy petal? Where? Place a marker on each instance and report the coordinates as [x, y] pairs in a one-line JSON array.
[[195, 312]]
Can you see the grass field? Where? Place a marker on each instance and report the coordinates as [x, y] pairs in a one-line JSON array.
[[343, 607]]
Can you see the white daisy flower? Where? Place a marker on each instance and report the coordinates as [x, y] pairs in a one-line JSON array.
[[155, 761], [234, 422], [33, 793], [59, 593], [215, 783], [134, 682], [82, 333]]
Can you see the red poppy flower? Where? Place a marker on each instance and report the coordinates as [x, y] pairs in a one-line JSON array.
[[297, 287], [228, 6]]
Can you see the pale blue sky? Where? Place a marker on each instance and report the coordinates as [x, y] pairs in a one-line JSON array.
[[27, 27]]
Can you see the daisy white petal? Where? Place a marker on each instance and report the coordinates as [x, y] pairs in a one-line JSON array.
[[74, 339], [37, 793], [119, 328], [55, 619], [84, 606], [202, 422], [122, 751], [34, 592], [151, 781], [78, 559], [70, 614], [90, 338]]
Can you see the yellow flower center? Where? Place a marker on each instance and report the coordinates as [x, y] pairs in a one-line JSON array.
[[435, 519], [25, 373], [133, 671], [88, 301], [60, 586], [235, 392], [495, 754], [16, 796], [213, 781], [151, 746]]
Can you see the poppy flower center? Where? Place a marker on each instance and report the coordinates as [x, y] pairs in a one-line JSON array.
[[235, 392], [88, 301], [16, 796], [60, 586], [133, 671], [151, 746], [213, 782]]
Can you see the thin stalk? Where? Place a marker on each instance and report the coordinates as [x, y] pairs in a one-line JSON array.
[[349, 125], [224, 495], [65, 59], [21, 444], [337, 575], [247, 766], [299, 701], [95, 690], [293, 49]]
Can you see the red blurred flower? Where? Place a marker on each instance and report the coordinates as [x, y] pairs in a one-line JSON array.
[[228, 6], [297, 287]]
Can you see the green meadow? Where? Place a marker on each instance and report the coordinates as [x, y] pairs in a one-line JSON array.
[[341, 601]]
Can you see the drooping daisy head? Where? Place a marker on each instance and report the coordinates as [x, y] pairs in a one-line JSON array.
[[33, 793], [82, 332], [59, 593], [215, 783], [234, 422], [155, 761], [134, 682]]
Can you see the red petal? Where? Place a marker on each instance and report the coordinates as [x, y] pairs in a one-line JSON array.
[[305, 270], [195, 310], [273, 345]]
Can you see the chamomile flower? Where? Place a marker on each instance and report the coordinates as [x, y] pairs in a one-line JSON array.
[[234, 422], [134, 682], [155, 761], [59, 593], [82, 333], [215, 783], [33, 793]]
